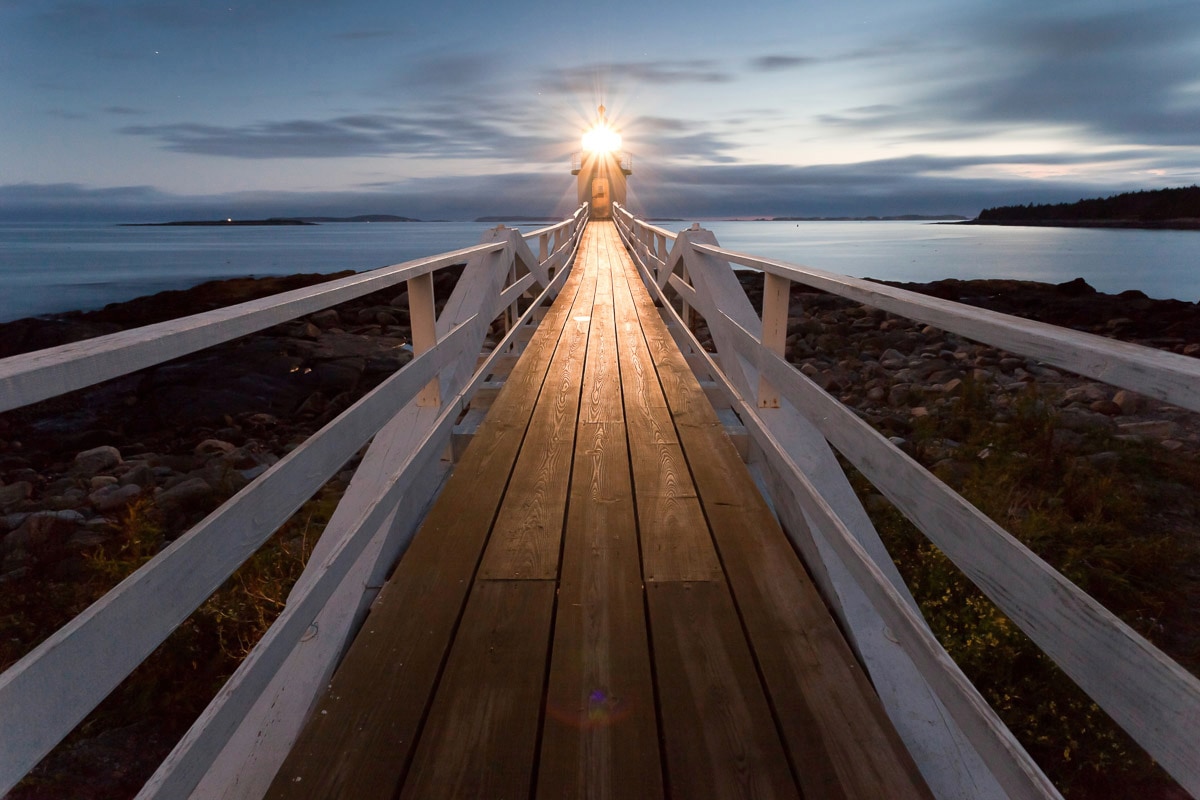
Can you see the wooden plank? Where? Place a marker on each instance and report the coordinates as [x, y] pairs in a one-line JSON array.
[[1144, 690], [601, 736], [359, 739], [839, 737], [55, 685], [371, 733], [674, 536], [527, 537], [481, 735], [720, 738], [947, 758], [1014, 772]]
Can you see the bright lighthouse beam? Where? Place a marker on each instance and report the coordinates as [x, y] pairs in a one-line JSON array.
[[601, 139]]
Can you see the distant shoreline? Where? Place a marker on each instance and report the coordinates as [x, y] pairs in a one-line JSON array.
[[270, 221], [1165, 225]]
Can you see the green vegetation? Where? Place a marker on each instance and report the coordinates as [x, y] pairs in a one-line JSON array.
[[1147, 206], [1101, 522], [162, 697]]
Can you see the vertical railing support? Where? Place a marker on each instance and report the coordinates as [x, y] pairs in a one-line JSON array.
[[422, 316], [776, 294]]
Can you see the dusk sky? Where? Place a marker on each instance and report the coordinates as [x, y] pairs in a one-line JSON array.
[[154, 109]]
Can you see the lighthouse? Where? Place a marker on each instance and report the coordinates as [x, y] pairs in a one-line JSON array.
[[602, 168]]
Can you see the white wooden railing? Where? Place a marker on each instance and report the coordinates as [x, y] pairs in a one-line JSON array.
[[960, 745], [410, 416]]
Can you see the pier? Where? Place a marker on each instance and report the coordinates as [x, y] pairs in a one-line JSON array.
[[596, 557]]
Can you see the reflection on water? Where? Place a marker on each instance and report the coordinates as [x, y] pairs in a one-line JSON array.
[[46, 268]]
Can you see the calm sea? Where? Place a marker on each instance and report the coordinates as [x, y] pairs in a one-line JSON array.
[[52, 267]]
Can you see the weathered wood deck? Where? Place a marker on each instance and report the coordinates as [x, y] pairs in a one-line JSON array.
[[600, 603]]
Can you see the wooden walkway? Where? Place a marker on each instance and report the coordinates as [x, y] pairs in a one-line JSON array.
[[600, 603]]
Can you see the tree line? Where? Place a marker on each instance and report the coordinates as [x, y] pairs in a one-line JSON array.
[[1144, 206]]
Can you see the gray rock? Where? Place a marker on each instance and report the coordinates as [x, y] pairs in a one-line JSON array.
[[141, 475], [43, 531], [189, 494], [326, 319], [1130, 402], [1077, 419], [98, 459], [111, 498], [100, 481], [15, 493], [214, 447], [1085, 393]]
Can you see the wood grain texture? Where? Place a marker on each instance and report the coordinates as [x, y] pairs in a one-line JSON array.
[[720, 738], [360, 737], [1144, 690], [481, 736], [812, 677], [527, 537], [601, 737], [362, 744]]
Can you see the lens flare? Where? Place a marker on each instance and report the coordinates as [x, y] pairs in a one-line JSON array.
[[601, 139]]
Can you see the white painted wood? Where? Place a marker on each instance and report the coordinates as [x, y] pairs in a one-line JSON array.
[[1155, 373], [1015, 772], [246, 763], [53, 687], [422, 318], [187, 764], [244, 767], [1151, 696], [508, 297], [776, 296], [686, 292], [947, 759], [46, 373]]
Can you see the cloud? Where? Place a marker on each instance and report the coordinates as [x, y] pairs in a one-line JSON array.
[[453, 132], [123, 111], [583, 80], [1114, 72], [776, 63], [918, 184]]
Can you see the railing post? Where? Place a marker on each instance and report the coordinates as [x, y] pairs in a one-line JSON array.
[[422, 317], [777, 292]]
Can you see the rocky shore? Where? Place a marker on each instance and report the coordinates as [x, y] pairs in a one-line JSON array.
[[170, 443]]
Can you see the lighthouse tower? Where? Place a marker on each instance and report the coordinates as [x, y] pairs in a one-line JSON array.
[[602, 168]]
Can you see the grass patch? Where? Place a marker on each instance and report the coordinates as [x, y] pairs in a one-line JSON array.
[[1117, 519]]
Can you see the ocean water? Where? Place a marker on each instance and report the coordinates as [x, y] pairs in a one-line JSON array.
[[47, 268]]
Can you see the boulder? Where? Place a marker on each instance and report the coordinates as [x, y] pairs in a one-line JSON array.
[[98, 459], [44, 532], [111, 498], [191, 493], [214, 447], [14, 494]]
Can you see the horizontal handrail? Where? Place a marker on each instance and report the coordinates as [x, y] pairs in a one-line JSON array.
[[35, 376], [54, 686], [1156, 373], [1150, 695], [191, 758]]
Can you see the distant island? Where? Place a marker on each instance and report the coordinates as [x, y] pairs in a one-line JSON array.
[[270, 221], [896, 218], [1176, 209], [517, 218]]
